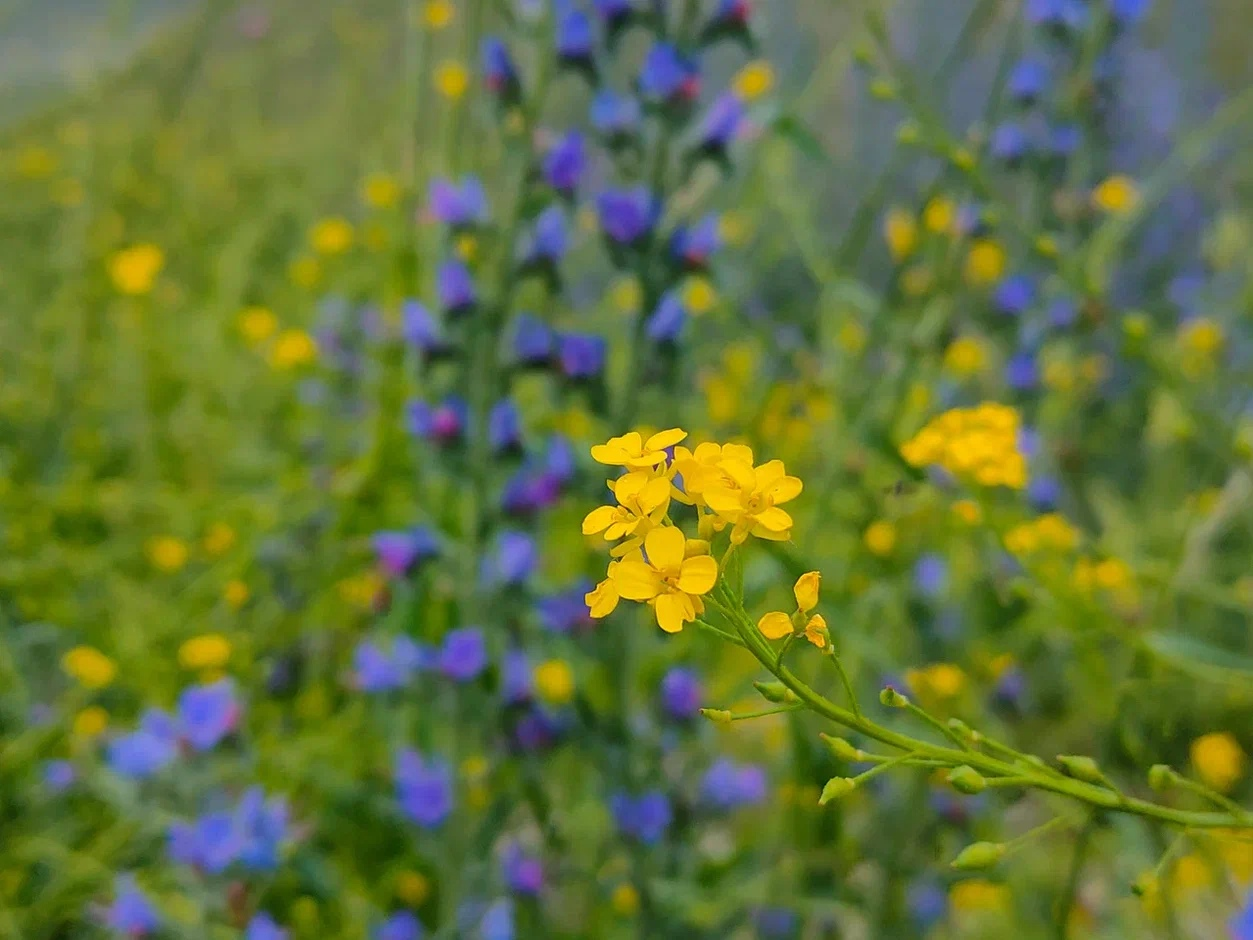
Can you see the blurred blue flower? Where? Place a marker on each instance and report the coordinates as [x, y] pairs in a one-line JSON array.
[[208, 713], [262, 825], [1010, 687], [58, 775], [615, 116], [263, 927], [721, 124], [1014, 294], [694, 245], [458, 205], [681, 693], [565, 162], [444, 423], [210, 844], [455, 286], [927, 902], [1028, 79], [530, 490], [131, 913], [374, 670], [513, 559], [1241, 925], [532, 340], [402, 925], [931, 574], [627, 215], [147, 750], [549, 238], [1065, 139], [504, 426], [668, 76], [499, 72], [1008, 142], [575, 39], [1044, 492], [463, 655], [559, 459], [582, 355], [1057, 14], [420, 330], [523, 873], [399, 551], [515, 677], [537, 729], [1127, 13], [612, 9], [666, 323], [728, 785], [423, 789], [497, 922], [1021, 373], [1062, 312], [566, 610], [644, 818], [776, 923]]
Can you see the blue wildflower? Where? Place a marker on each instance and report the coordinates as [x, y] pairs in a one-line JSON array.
[[1127, 13], [529, 490], [210, 844], [533, 341], [515, 677], [927, 903], [1062, 312], [559, 459], [627, 215], [513, 559], [581, 355], [1010, 687], [644, 818], [504, 427], [523, 873], [497, 922], [1044, 492], [1060, 15], [616, 117], [931, 574], [455, 286], [668, 76], [131, 912], [1241, 925], [681, 693], [1064, 139], [399, 552], [566, 610], [564, 163], [775, 923], [728, 785], [444, 423], [721, 124], [575, 40], [1014, 294], [666, 323], [58, 775], [463, 655], [423, 789], [1021, 373], [693, 246], [1008, 142], [549, 239], [262, 826], [537, 729], [147, 750], [375, 670], [1028, 79], [499, 72], [264, 927], [420, 330], [402, 925], [208, 713], [458, 205]]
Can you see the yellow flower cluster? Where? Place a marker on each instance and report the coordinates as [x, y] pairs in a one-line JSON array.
[[1049, 533], [979, 444], [776, 624], [655, 563], [135, 269], [90, 667]]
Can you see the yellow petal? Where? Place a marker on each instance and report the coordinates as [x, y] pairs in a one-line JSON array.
[[655, 494], [619, 529], [739, 536], [633, 544], [628, 486], [775, 625], [635, 580], [695, 547], [663, 439], [603, 599], [784, 489], [664, 547], [707, 452], [673, 610], [723, 501], [740, 452], [816, 632], [740, 472], [698, 574], [599, 519], [774, 519], [806, 590], [768, 474]]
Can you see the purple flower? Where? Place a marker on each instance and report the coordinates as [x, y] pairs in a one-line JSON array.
[[1044, 492], [458, 205], [644, 818], [1126, 13], [513, 559], [732, 12], [444, 423], [147, 750], [374, 670], [1064, 139], [565, 162], [667, 321], [775, 923], [627, 215], [549, 238], [1014, 294], [528, 491], [210, 844], [931, 575], [615, 116], [1021, 373], [263, 927], [1062, 15], [533, 340], [612, 9], [1008, 142], [463, 655], [262, 826], [497, 922], [423, 789], [668, 76], [208, 713], [455, 285], [681, 693], [399, 552], [1028, 79], [131, 913], [523, 873], [1062, 312], [574, 37], [582, 356], [515, 677], [1241, 925], [721, 123], [728, 785], [402, 925], [559, 459], [504, 427], [566, 610], [420, 330], [927, 903], [694, 245], [536, 730], [58, 775], [1010, 686], [498, 69]]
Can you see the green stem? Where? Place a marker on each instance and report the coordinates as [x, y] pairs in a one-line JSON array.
[[1077, 858], [848, 685]]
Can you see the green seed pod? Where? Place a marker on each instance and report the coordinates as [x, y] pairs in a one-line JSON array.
[[966, 779], [836, 787], [1082, 768], [979, 855], [775, 692], [893, 699], [842, 749], [719, 716]]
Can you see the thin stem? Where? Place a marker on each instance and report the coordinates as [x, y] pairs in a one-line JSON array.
[[766, 713], [1077, 858], [938, 726], [848, 685]]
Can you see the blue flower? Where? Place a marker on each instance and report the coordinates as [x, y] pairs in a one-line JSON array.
[[565, 162], [263, 927], [775, 923], [513, 559], [612, 9], [420, 330], [931, 574], [399, 552], [458, 205], [529, 490], [566, 610], [515, 677], [1062, 312], [402, 925], [644, 818], [666, 323], [497, 922], [1241, 925], [559, 459], [499, 72], [504, 426], [1127, 13], [58, 775], [731, 12], [1062, 15], [423, 789], [445, 423], [721, 123], [1064, 139], [148, 750], [627, 215], [1044, 492], [549, 238], [131, 912], [533, 340], [581, 355], [523, 873], [262, 826], [1010, 687], [927, 903], [681, 693], [455, 285], [207, 713], [1008, 142], [728, 785], [575, 41], [210, 844], [694, 245], [1021, 373], [463, 655], [668, 76], [1014, 294], [1029, 79], [374, 670], [615, 116]]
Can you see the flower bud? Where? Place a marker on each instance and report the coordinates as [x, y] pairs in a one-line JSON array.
[[966, 779], [836, 788], [719, 716], [842, 749], [893, 699], [1082, 768], [775, 692], [1161, 777], [962, 730], [979, 855]]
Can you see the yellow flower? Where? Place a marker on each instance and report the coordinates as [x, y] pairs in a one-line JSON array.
[[806, 591], [669, 581], [978, 895], [699, 296], [940, 215], [89, 667], [554, 681], [985, 262], [941, 680], [625, 900], [257, 324], [776, 624], [701, 468], [451, 79], [167, 553], [438, 13], [900, 231], [816, 632], [1202, 336], [733, 227], [980, 444], [380, 190], [207, 651], [219, 539], [631, 450], [916, 280], [626, 295], [292, 349], [967, 511], [305, 272], [1116, 195], [236, 594], [965, 356], [332, 236], [1218, 760], [880, 538], [642, 503], [90, 722], [412, 887], [751, 504], [753, 80], [133, 270], [466, 247], [603, 599], [35, 162]]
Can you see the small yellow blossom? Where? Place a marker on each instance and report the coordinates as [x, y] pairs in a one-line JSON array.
[[452, 79], [412, 887], [985, 262], [89, 667], [1116, 195], [293, 349], [776, 624], [626, 295], [968, 511], [642, 503], [966, 356], [305, 272], [167, 553], [750, 498], [380, 190], [939, 680], [466, 247], [979, 443], [625, 900], [207, 651], [438, 13], [135, 269], [236, 594], [753, 80], [1218, 760], [851, 337], [361, 590], [978, 895], [1048, 533], [722, 398], [631, 450], [900, 231], [257, 324], [806, 591], [1190, 873], [219, 539], [880, 538], [554, 681], [733, 228], [331, 236], [940, 215], [90, 722], [669, 580], [698, 295]]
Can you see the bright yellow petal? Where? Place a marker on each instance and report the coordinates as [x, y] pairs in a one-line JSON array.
[[740, 452], [635, 580], [619, 529], [740, 472], [695, 547], [698, 575], [628, 486], [816, 632], [784, 489], [654, 494], [603, 599], [633, 544], [599, 519], [674, 610], [774, 519], [775, 625], [663, 439], [806, 590], [768, 474], [664, 547], [723, 501], [707, 452], [768, 534]]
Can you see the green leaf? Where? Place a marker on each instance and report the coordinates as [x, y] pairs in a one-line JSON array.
[[796, 132], [1200, 658]]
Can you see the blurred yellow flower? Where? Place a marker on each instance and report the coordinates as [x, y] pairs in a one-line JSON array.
[[219, 539], [967, 511], [466, 247], [979, 443], [626, 294], [133, 270], [35, 162], [380, 190], [966, 356], [305, 272], [293, 349], [900, 231], [938, 680], [438, 13], [89, 667], [207, 651], [257, 324], [412, 887], [360, 590], [1116, 195], [722, 399], [940, 215], [698, 295], [1048, 533], [916, 280], [90, 722], [753, 80], [554, 681], [1218, 760], [880, 538], [851, 337], [167, 553], [978, 895], [1190, 873], [452, 79], [625, 900], [985, 262], [331, 236], [236, 594], [733, 227]]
